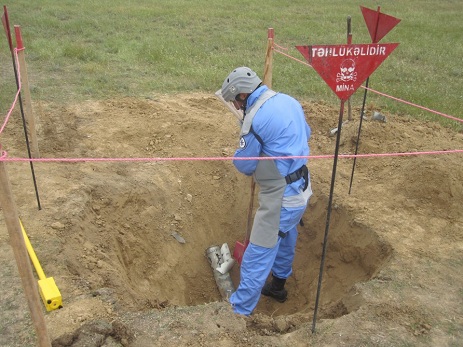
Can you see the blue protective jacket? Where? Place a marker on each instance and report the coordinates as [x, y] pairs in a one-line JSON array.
[[280, 124]]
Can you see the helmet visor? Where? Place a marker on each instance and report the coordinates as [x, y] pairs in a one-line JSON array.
[[229, 104]]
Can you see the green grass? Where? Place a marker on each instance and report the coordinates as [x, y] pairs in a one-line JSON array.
[[78, 50]]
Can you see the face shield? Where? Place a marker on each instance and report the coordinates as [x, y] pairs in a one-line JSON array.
[[229, 105]]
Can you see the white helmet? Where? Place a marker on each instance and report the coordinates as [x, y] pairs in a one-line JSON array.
[[240, 80]]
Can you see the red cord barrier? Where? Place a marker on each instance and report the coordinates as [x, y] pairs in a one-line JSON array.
[[17, 93], [4, 157], [415, 105]]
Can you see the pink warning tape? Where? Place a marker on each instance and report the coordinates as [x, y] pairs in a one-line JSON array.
[[17, 93], [10, 111], [415, 105], [4, 157]]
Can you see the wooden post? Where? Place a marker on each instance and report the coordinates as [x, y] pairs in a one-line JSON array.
[[268, 73], [268, 68], [268, 82], [29, 283], [25, 91]]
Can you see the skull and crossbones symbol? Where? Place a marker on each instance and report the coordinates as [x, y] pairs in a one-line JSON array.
[[347, 71]]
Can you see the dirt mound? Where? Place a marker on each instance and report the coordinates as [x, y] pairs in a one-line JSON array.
[[106, 229]]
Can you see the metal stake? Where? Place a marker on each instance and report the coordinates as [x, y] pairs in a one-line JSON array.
[[6, 24], [358, 134], [328, 216]]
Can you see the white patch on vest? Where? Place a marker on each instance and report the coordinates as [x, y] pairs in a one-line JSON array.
[[242, 142]]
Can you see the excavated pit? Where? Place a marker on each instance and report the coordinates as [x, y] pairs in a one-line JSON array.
[[105, 229], [124, 240], [118, 219]]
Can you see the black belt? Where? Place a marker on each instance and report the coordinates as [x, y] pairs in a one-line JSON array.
[[302, 172], [283, 235]]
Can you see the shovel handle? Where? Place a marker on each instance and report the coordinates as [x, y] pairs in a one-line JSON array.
[[267, 81], [250, 209]]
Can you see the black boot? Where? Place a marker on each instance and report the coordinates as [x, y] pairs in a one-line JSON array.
[[275, 289]]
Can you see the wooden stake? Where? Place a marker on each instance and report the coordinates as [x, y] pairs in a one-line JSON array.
[[268, 74], [268, 68], [268, 82], [25, 91], [29, 283]]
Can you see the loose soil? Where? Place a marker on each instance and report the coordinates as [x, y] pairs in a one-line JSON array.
[[394, 257]]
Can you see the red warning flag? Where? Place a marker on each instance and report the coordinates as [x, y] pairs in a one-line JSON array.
[[345, 67], [378, 24]]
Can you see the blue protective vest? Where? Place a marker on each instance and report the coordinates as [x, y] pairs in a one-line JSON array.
[[263, 130]]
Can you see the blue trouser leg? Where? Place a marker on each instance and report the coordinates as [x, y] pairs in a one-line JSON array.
[[282, 266], [259, 261], [255, 268]]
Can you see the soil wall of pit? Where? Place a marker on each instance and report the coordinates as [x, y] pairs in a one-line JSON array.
[[113, 221]]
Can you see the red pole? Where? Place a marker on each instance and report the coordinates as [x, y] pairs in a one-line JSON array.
[[25, 91], [6, 26]]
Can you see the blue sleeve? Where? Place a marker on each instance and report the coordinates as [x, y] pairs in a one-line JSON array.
[[249, 147]]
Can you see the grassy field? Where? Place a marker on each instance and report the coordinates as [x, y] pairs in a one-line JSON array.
[[78, 50]]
